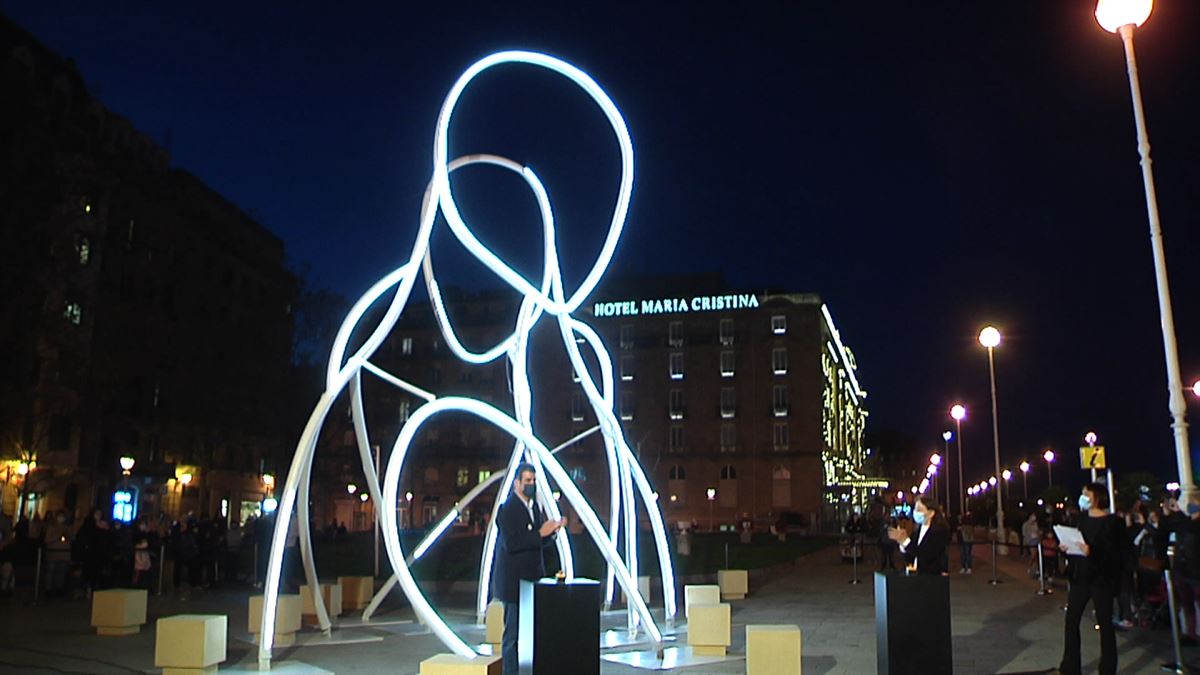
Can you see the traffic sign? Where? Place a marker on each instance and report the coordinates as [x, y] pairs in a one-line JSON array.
[[1092, 457]]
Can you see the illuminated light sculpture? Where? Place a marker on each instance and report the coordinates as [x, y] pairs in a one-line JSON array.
[[345, 372]]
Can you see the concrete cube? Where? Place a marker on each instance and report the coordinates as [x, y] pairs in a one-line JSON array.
[[773, 649], [119, 611], [735, 584], [287, 617], [357, 591], [330, 593], [494, 624], [190, 643], [704, 594], [709, 629], [452, 664]]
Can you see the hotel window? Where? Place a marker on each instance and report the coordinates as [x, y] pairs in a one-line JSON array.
[[677, 404], [728, 402], [626, 405], [627, 336], [676, 365], [675, 333], [83, 248], [577, 406], [781, 487], [728, 437], [779, 360], [676, 442], [463, 476], [73, 312], [626, 368], [727, 489], [727, 363], [726, 331], [677, 485], [779, 324], [779, 400], [405, 410], [406, 346], [484, 474], [781, 436]]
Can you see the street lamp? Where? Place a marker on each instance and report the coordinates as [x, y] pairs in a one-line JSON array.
[[351, 488], [959, 413], [1196, 388], [712, 494], [1049, 457], [946, 436], [408, 496], [127, 463], [184, 479], [990, 337], [1025, 477], [1122, 16]]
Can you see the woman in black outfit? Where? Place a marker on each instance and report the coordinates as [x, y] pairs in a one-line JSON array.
[[1095, 576], [926, 548]]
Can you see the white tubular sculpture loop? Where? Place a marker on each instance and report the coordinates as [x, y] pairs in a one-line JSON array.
[[345, 371]]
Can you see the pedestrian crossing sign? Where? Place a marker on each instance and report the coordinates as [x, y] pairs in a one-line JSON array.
[[1092, 457]]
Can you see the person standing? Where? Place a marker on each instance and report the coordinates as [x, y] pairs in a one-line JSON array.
[[966, 543], [524, 532], [928, 552], [1096, 576]]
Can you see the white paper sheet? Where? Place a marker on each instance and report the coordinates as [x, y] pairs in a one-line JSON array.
[[1070, 538]]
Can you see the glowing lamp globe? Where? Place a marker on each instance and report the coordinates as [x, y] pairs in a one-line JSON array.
[[1090, 438], [22, 468], [186, 478], [1006, 474], [1112, 14], [935, 459], [268, 480], [127, 463], [992, 480], [958, 412], [1196, 388], [1048, 455], [351, 488], [1024, 467], [946, 436], [989, 337], [712, 494]]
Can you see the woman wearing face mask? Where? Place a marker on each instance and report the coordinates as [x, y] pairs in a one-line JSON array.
[[1095, 576], [927, 547]]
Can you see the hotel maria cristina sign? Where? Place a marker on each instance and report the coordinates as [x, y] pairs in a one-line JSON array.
[[698, 303]]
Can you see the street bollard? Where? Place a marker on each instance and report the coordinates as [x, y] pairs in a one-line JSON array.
[[854, 558], [1042, 590], [1177, 666], [726, 555], [162, 563], [995, 580], [37, 576]]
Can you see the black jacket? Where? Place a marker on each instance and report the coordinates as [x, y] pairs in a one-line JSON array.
[[930, 552], [519, 549]]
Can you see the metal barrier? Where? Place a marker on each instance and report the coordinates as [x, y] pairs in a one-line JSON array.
[[995, 580], [1042, 590], [855, 552], [1177, 666], [37, 576]]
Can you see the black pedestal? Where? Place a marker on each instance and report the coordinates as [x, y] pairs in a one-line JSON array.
[[912, 624], [560, 627]]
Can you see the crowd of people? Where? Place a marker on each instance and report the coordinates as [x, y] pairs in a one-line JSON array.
[[72, 559]]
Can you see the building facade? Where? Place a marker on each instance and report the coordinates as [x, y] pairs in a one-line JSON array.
[[142, 315], [740, 406]]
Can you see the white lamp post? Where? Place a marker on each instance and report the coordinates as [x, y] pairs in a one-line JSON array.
[[1025, 477], [990, 337], [1122, 16], [946, 436], [958, 412], [1049, 457]]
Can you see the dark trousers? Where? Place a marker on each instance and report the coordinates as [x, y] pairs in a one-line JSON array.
[[1101, 596], [512, 626]]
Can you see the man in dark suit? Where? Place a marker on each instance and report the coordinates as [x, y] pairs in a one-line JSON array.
[[524, 532]]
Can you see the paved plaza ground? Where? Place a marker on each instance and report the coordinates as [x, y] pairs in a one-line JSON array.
[[996, 629]]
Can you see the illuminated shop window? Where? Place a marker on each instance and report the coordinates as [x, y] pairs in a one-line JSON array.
[[406, 346], [73, 312]]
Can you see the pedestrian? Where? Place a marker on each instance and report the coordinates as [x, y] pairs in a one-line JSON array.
[[927, 554], [524, 533], [1031, 538], [966, 543], [58, 538], [1186, 570], [1095, 574]]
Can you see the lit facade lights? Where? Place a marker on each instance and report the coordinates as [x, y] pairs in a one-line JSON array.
[[268, 480], [546, 297], [127, 463]]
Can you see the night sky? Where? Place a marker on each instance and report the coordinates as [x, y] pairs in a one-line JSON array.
[[925, 167]]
